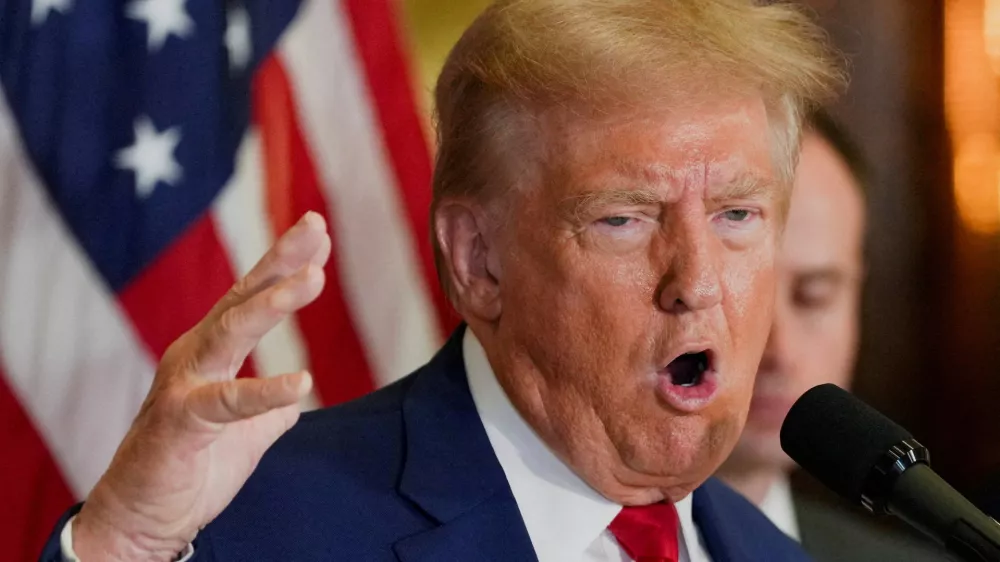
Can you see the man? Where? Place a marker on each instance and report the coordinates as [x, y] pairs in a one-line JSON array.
[[610, 189], [813, 340]]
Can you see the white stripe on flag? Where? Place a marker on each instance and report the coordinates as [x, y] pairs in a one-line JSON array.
[[69, 352], [246, 234], [383, 282]]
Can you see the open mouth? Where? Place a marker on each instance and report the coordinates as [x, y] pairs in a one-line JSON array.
[[690, 381], [689, 370]]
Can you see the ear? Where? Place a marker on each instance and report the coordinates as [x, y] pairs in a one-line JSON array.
[[471, 259]]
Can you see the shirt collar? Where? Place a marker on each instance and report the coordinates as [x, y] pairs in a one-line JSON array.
[[563, 515], [779, 507]]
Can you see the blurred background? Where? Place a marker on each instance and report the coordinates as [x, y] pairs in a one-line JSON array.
[[151, 149]]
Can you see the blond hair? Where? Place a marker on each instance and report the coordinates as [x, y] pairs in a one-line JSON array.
[[605, 56]]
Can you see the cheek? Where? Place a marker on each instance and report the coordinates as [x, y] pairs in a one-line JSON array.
[[557, 272], [603, 311], [749, 286], [574, 308], [749, 290]]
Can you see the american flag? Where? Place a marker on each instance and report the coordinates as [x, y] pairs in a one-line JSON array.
[[150, 151]]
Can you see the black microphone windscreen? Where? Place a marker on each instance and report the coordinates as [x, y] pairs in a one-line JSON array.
[[838, 438]]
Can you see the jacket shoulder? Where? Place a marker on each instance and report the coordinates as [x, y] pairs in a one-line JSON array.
[[366, 431], [329, 485], [726, 518]]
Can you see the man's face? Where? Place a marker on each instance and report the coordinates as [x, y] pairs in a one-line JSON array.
[[814, 335], [636, 279]]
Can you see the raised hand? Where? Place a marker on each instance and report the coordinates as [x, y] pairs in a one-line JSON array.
[[201, 432]]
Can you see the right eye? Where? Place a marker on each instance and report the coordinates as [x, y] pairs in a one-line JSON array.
[[616, 221]]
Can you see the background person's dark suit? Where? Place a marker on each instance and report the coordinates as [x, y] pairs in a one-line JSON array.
[[989, 500], [833, 531]]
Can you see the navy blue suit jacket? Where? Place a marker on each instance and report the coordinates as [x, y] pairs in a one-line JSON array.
[[407, 474]]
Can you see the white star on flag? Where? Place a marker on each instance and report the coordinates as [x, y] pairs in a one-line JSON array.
[[40, 9], [163, 18], [238, 41], [151, 157]]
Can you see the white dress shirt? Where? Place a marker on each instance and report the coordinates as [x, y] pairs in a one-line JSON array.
[[780, 509], [566, 519]]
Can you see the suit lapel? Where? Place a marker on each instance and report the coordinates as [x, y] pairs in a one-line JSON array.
[[452, 474], [722, 539], [490, 532]]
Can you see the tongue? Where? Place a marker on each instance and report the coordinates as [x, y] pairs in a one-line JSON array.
[[687, 369]]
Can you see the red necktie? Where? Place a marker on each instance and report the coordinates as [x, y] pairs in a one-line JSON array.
[[648, 533]]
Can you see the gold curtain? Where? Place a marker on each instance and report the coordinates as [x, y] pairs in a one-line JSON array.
[[433, 27]]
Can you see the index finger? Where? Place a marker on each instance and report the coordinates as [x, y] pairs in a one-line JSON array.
[[223, 342], [307, 242]]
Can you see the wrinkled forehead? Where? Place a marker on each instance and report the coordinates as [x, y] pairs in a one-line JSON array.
[[696, 144]]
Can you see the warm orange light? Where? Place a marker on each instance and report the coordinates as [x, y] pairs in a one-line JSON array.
[[977, 183], [972, 99], [991, 32]]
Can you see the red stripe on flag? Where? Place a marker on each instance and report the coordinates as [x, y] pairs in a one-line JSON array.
[[33, 493], [176, 291], [377, 36], [336, 356]]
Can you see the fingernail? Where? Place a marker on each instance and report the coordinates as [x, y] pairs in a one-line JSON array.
[[305, 384], [312, 219], [312, 273]]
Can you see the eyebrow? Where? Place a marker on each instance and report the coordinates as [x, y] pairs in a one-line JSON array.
[[583, 205], [746, 186]]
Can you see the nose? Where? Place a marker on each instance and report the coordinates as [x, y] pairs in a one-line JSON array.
[[691, 282]]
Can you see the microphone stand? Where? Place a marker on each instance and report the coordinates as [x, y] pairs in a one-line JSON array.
[[925, 501]]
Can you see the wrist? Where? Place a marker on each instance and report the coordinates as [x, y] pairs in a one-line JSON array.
[[98, 537]]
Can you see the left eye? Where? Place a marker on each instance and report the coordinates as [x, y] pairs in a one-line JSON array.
[[616, 221], [738, 215]]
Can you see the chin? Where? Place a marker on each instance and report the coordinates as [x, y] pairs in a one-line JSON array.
[[684, 458]]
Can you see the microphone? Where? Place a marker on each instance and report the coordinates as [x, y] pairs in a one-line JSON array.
[[867, 458]]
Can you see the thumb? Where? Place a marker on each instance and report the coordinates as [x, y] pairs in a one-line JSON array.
[[240, 399]]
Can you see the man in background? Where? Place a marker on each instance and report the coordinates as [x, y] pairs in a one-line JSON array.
[[814, 340]]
